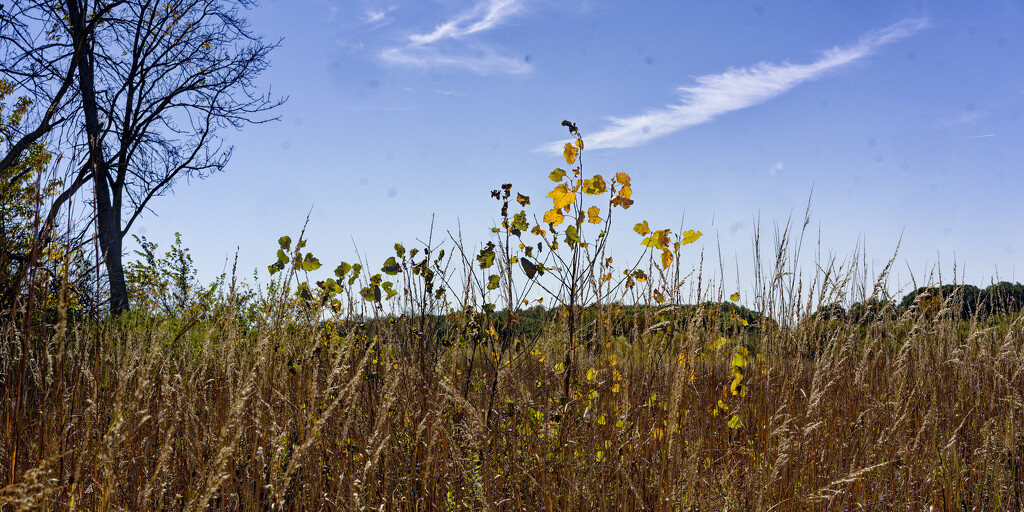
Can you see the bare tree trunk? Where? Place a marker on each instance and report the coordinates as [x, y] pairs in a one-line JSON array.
[[107, 219]]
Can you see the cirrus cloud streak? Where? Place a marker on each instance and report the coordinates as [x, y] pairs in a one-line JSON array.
[[448, 45], [737, 88]]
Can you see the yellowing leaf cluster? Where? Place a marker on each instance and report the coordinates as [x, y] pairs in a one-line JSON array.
[[570, 153], [561, 196], [595, 186]]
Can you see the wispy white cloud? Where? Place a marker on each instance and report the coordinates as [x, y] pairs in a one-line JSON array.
[[423, 50], [982, 136], [377, 18], [737, 88], [374, 16]]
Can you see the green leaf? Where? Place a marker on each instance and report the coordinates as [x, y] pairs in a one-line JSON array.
[[342, 270], [399, 250], [282, 257], [556, 175], [310, 263], [391, 266], [370, 293], [303, 291], [486, 256], [572, 237], [389, 288], [520, 222], [355, 273], [330, 286], [276, 267], [493, 282], [285, 241]]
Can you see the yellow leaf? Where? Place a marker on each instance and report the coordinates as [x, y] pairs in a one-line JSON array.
[[622, 178], [738, 361], [553, 217], [659, 239], [605, 278], [579, 143], [623, 200], [570, 153], [556, 175], [561, 196], [642, 228], [538, 231], [734, 422], [666, 259], [591, 374], [734, 387], [593, 215], [595, 186], [691, 236], [734, 297]]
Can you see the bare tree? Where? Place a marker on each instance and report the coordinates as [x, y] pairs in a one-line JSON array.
[[157, 82], [40, 63]]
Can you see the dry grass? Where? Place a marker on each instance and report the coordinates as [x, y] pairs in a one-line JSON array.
[[267, 403], [279, 414]]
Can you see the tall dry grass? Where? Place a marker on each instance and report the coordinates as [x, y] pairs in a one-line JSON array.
[[270, 410]]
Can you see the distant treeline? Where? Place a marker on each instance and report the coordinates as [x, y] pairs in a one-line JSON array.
[[616, 320], [962, 301]]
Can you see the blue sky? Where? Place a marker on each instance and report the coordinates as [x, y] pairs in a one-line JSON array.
[[903, 117]]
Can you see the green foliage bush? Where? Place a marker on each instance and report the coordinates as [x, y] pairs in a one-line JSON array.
[[965, 301]]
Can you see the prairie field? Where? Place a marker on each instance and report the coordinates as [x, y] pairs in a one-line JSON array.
[[469, 318], [245, 399], [530, 372]]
